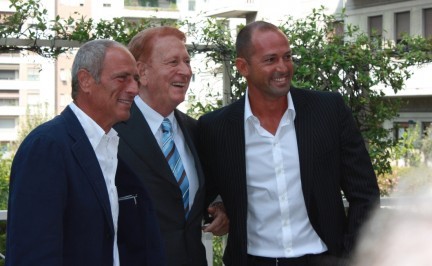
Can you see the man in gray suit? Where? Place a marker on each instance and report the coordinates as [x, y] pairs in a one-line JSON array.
[[165, 72], [279, 157]]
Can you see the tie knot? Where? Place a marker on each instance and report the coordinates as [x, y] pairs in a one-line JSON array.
[[166, 125]]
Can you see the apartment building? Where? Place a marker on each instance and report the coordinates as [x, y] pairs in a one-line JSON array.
[[391, 19], [26, 86]]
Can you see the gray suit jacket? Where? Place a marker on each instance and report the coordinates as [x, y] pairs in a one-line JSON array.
[[140, 150], [332, 157]]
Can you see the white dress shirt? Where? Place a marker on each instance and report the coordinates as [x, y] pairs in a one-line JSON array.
[[154, 119], [105, 147], [277, 221]]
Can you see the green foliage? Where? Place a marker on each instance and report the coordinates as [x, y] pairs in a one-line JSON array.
[[197, 108], [218, 249], [218, 43], [388, 182], [426, 144], [5, 164], [405, 147]]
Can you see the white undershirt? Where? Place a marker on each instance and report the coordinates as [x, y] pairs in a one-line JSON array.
[[277, 222], [105, 147], [154, 120]]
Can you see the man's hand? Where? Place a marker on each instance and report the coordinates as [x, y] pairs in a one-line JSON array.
[[220, 223]]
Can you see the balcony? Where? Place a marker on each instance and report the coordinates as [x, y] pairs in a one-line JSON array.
[[356, 4], [154, 5], [231, 9], [150, 9]]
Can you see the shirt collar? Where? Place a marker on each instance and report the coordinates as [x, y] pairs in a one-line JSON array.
[[289, 115], [154, 119], [93, 131]]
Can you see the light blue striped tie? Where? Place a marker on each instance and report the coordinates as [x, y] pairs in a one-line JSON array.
[[173, 157]]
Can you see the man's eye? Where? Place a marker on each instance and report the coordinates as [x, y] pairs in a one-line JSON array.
[[287, 57], [121, 78]]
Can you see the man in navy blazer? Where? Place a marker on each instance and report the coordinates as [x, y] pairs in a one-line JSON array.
[[63, 204], [279, 157]]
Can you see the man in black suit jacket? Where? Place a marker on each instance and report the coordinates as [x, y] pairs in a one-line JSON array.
[[63, 204], [279, 157], [165, 72]]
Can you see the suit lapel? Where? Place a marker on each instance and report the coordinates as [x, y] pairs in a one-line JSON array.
[[136, 134], [86, 158], [234, 126], [303, 126]]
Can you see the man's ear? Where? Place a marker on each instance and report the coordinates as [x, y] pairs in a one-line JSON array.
[[142, 72], [85, 80], [242, 66]]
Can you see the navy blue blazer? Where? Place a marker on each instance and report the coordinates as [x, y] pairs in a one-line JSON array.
[[59, 211], [332, 156]]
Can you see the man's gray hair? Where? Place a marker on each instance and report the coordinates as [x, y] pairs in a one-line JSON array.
[[91, 56]]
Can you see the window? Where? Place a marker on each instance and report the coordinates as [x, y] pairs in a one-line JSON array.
[[152, 3], [107, 3], [9, 71], [425, 126], [427, 22], [7, 123], [375, 29], [399, 128], [9, 98], [65, 76], [191, 5], [402, 25], [6, 74], [375, 26], [335, 30], [33, 72], [9, 102]]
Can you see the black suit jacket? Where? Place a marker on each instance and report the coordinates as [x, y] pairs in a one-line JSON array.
[[139, 239], [59, 211], [140, 150], [332, 157]]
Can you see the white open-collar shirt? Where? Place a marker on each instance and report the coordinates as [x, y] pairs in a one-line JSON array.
[[106, 148], [277, 220]]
